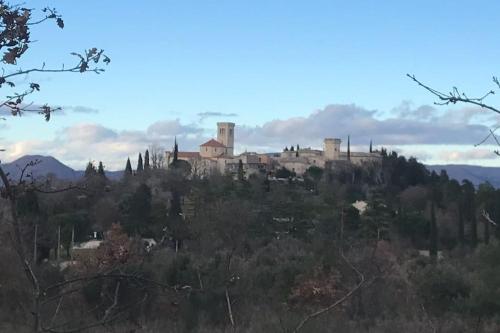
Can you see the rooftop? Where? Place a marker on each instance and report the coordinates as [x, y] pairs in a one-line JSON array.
[[213, 143]]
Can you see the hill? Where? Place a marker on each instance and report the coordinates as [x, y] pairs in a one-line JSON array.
[[48, 165], [476, 174]]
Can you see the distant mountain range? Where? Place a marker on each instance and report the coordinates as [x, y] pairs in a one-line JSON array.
[[48, 165], [474, 173]]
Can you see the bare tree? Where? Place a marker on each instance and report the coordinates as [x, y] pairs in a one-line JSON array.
[[157, 156], [456, 96]]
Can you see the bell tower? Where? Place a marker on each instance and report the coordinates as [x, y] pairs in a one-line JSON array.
[[225, 135]]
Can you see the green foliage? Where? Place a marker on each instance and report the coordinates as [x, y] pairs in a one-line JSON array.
[[100, 170], [284, 173], [90, 170], [146, 160], [140, 166], [442, 288], [128, 168]]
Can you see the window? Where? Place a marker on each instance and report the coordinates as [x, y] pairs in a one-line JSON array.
[[230, 132], [206, 149]]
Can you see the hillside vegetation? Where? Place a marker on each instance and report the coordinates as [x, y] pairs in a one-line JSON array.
[[257, 255]]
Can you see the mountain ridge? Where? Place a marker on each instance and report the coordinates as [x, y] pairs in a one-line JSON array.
[[48, 165], [51, 165]]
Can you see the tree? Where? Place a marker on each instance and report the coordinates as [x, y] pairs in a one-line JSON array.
[[100, 170], [433, 235], [15, 41], [140, 166], [457, 96], [371, 149], [469, 209], [176, 152], [139, 211], [157, 156], [241, 172], [146, 160], [90, 170], [128, 168]]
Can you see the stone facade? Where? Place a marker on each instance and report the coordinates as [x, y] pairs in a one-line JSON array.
[[219, 155]]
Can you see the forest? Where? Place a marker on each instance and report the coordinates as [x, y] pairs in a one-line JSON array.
[[253, 254], [384, 247]]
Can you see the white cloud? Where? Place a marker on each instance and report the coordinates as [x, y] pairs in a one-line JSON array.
[[413, 131]]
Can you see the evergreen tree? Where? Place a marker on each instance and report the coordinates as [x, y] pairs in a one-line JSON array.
[[140, 166], [286, 149], [469, 206], [100, 170], [139, 210], [292, 148], [241, 172], [128, 167], [176, 152], [177, 225], [90, 170], [371, 147], [433, 233], [146, 160]]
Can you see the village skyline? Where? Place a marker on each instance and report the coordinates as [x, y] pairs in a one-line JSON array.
[[285, 73]]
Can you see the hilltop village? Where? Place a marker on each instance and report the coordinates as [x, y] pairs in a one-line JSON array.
[[218, 154]]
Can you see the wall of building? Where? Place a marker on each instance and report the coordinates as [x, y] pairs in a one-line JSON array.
[[225, 135]]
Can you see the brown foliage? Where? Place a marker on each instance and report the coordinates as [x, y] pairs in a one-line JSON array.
[[116, 249]]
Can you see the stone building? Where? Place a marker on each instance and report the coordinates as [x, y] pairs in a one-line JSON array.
[[218, 154]]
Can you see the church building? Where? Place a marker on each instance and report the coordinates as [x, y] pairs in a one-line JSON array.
[[218, 154]]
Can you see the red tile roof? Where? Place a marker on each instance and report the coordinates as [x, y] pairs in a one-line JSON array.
[[188, 154], [213, 143]]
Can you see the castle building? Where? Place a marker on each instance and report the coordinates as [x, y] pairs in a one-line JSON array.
[[218, 154]]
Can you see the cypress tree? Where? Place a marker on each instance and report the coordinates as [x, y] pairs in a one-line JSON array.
[[176, 152], [140, 166], [292, 148], [128, 167], [241, 172], [100, 170], [371, 148], [286, 149], [146, 160], [90, 170]]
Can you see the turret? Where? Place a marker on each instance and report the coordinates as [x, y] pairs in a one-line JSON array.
[[225, 135], [331, 149]]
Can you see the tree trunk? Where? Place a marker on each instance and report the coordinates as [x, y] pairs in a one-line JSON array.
[[229, 308], [35, 245]]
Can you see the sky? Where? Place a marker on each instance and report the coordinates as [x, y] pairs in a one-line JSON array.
[[286, 72]]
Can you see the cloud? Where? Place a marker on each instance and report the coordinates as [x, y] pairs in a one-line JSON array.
[[455, 156], [415, 131], [204, 115], [363, 125], [80, 109], [77, 144]]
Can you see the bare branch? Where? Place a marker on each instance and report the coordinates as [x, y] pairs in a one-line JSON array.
[[455, 96]]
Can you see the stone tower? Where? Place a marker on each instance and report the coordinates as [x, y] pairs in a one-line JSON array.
[[331, 149], [225, 135]]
